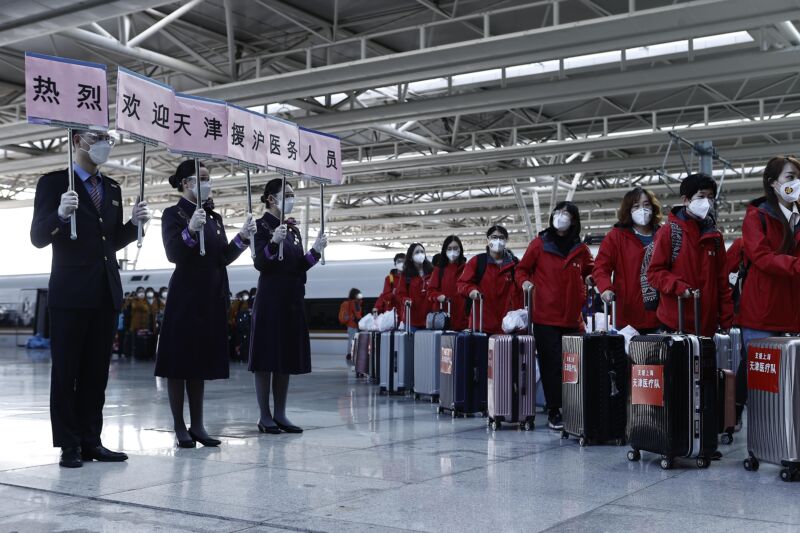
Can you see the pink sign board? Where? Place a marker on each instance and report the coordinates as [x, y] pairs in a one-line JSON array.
[[247, 137], [283, 144], [65, 92], [199, 127], [321, 156], [144, 107]]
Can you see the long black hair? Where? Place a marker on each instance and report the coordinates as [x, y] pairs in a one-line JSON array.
[[353, 293], [574, 234], [443, 260], [409, 268]]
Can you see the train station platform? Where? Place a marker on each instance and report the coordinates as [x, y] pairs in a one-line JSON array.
[[364, 463]]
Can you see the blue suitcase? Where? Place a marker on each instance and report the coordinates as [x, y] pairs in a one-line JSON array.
[[462, 371]]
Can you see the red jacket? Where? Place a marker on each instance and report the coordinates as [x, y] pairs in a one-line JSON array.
[[620, 255], [500, 292], [414, 289], [448, 286], [768, 300], [700, 264], [559, 281], [735, 256], [350, 313], [387, 300]]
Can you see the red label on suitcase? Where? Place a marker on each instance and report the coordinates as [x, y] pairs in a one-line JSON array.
[[647, 385], [571, 365], [763, 368], [446, 365]]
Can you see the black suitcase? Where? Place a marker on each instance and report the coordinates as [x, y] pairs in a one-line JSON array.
[[673, 395], [594, 389], [144, 345], [462, 370]]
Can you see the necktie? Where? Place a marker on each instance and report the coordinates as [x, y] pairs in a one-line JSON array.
[[95, 192], [793, 220]]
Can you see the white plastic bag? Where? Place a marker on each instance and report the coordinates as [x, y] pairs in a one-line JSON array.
[[515, 321], [385, 321], [628, 332], [367, 323]]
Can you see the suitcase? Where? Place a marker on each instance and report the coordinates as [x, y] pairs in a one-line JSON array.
[[143, 345], [427, 353], [726, 405], [511, 378], [375, 359], [362, 349], [594, 387], [440, 319], [773, 405], [729, 349], [673, 395], [462, 371], [397, 359]]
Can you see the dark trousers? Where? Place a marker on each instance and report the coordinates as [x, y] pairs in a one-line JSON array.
[[80, 344], [548, 348]]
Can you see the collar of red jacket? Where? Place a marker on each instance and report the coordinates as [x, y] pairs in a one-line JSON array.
[[708, 227]]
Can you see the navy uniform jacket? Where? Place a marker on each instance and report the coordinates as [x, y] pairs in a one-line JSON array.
[[194, 334], [83, 269], [279, 340]]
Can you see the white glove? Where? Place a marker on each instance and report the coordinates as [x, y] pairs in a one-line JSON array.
[[607, 296], [140, 213], [248, 228], [68, 205], [320, 243], [527, 285], [198, 220], [474, 295], [280, 234]]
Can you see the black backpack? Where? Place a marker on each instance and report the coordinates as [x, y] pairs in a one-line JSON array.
[[480, 270]]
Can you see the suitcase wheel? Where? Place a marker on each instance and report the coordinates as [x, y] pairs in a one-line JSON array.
[[564, 435], [454, 414], [526, 426], [634, 455], [434, 398], [791, 472], [439, 410], [702, 462], [751, 463], [495, 425], [726, 438], [666, 463], [416, 396], [620, 442], [583, 441]]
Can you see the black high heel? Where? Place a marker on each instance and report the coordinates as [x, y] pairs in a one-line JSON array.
[[289, 429], [189, 443], [272, 430], [205, 442]]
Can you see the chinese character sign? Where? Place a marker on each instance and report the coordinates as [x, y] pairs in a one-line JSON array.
[[199, 126], [144, 107], [647, 385], [763, 368], [320, 155], [282, 140], [65, 92], [247, 133], [571, 365]]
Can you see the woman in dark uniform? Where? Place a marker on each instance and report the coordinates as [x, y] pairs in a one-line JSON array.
[[194, 339], [279, 343]]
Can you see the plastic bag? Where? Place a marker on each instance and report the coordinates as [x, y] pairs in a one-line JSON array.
[[628, 332], [367, 323], [515, 321], [385, 321]]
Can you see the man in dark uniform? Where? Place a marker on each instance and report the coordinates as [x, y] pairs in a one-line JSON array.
[[85, 293]]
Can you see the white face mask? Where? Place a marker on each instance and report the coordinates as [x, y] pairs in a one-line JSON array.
[[790, 191], [245, 297], [149, 299], [140, 295], [419, 258], [700, 208], [562, 221], [399, 265], [642, 216], [497, 245], [452, 255], [99, 151], [359, 296], [289, 204], [205, 188], [164, 295]]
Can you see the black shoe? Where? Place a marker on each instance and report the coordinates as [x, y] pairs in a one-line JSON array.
[[349, 357], [71, 457], [289, 429], [102, 454], [555, 421], [205, 442], [272, 430], [189, 443]]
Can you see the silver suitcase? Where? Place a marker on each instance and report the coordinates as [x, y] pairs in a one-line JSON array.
[[736, 348], [397, 360], [427, 357], [729, 349], [511, 383], [773, 405]]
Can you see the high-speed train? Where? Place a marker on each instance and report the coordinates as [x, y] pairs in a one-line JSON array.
[[328, 285]]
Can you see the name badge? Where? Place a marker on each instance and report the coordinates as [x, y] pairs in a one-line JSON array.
[[114, 202]]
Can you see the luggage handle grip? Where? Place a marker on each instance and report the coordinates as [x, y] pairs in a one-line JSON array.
[[528, 294], [681, 319], [480, 320], [408, 316], [613, 323], [441, 306]]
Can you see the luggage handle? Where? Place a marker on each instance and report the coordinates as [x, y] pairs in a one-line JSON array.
[[681, 326], [441, 306], [408, 316], [613, 323], [528, 294], [480, 320]]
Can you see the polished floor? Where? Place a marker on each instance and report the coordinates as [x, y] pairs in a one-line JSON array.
[[365, 463]]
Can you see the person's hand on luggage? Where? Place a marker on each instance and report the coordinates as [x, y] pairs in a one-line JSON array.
[[687, 293], [68, 205], [321, 243], [441, 298], [197, 221], [607, 296], [248, 229], [475, 295], [279, 235], [527, 286]]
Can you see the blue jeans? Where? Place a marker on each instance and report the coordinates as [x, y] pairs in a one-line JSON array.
[[351, 335], [748, 336]]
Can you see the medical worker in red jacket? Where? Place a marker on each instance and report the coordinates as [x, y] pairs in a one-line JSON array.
[[618, 266], [387, 299], [557, 266], [413, 285], [444, 282]]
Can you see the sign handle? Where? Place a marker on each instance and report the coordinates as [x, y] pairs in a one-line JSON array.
[[283, 210], [73, 227], [250, 213], [199, 198], [322, 217], [140, 230]]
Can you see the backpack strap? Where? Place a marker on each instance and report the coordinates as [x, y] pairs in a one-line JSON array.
[[480, 270], [676, 237]]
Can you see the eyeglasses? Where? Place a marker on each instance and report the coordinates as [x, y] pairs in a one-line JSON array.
[[92, 138]]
